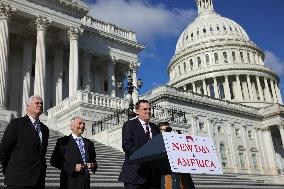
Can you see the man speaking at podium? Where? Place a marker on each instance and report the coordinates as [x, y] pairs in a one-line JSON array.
[[135, 133]]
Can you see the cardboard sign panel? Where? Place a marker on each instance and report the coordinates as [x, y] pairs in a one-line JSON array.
[[191, 154]]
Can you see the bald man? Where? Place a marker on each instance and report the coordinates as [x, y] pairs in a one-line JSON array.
[[75, 156]]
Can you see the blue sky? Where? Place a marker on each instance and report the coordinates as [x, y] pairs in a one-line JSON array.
[[159, 23]]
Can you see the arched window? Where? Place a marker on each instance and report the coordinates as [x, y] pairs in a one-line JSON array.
[[207, 59], [179, 70], [198, 62], [223, 154], [225, 57], [248, 57], [242, 57], [191, 64], [184, 67], [242, 158], [216, 58], [234, 56]]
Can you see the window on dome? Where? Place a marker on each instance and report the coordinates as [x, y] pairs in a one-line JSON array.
[[242, 56], [224, 28], [221, 90], [191, 64], [218, 28], [204, 30], [186, 38], [216, 58], [184, 67], [232, 90], [225, 57], [207, 59], [179, 70], [211, 89], [191, 34], [230, 28], [198, 62], [250, 134], [211, 29], [197, 32], [234, 56], [248, 57]]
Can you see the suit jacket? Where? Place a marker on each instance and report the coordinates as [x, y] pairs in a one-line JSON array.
[[64, 157], [133, 137], [22, 154]]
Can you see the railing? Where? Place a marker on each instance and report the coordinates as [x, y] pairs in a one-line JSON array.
[[89, 98], [108, 27], [168, 90], [118, 118]]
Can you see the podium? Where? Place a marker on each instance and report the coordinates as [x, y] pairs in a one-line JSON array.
[[154, 153]]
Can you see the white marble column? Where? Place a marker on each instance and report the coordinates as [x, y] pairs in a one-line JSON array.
[[267, 92], [58, 72], [275, 100], [227, 89], [204, 87], [270, 153], [250, 88], [259, 89], [5, 13], [40, 64], [27, 70], [73, 34], [239, 94], [278, 93], [134, 67], [216, 91], [111, 78], [193, 87], [87, 70]]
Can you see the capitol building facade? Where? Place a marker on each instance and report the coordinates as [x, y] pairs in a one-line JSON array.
[[219, 86]]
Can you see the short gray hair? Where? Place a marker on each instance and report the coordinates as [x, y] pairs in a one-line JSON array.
[[73, 119], [30, 99]]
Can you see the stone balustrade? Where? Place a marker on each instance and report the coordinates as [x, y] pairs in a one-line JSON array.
[[108, 27], [90, 98], [198, 98]]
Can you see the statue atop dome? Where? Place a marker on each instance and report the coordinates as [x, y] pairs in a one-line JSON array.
[[205, 6]]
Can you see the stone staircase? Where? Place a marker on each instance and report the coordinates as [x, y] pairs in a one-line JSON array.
[[110, 162]]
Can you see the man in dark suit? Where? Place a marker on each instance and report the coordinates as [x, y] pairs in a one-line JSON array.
[[74, 156], [23, 148], [135, 133]]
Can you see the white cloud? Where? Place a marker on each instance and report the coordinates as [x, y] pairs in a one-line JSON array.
[[147, 20], [274, 62]]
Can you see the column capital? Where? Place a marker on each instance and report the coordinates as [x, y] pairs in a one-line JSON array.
[[74, 33], [134, 66], [6, 10], [42, 23]]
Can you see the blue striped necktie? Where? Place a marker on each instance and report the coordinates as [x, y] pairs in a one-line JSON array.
[[37, 128], [81, 148]]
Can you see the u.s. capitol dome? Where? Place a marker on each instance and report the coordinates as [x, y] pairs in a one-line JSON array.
[[215, 57]]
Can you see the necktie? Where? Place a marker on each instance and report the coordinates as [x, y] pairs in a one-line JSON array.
[[37, 128], [81, 148], [147, 132]]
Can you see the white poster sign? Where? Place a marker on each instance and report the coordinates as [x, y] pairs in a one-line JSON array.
[[191, 154]]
